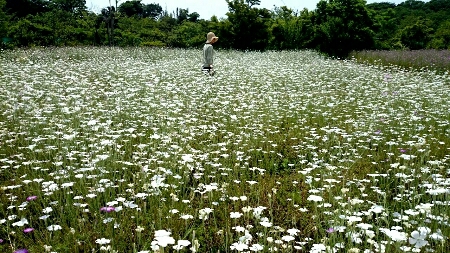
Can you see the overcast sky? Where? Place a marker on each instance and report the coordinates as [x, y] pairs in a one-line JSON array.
[[208, 8]]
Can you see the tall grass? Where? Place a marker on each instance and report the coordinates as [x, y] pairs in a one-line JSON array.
[[135, 150], [430, 60]]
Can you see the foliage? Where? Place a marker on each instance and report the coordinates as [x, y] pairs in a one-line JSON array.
[[441, 39], [132, 8], [416, 36], [411, 24], [109, 17], [152, 10], [187, 35], [248, 25], [385, 26], [291, 31], [3, 20], [26, 32], [22, 8], [55, 28], [181, 15], [335, 27], [71, 6], [342, 26]]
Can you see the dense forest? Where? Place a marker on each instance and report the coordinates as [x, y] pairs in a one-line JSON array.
[[335, 27]]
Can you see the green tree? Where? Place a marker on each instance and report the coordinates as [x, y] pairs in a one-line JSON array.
[[441, 39], [30, 32], [193, 17], [383, 6], [109, 17], [252, 2], [305, 30], [439, 5], [132, 8], [166, 23], [86, 28], [281, 16], [213, 24], [342, 26], [68, 29], [249, 26], [4, 19], [385, 27], [416, 36], [413, 4], [335, 27], [223, 30], [181, 15], [150, 34], [397, 25], [291, 30], [153, 11], [187, 35], [22, 8], [72, 6], [128, 31], [134, 31]]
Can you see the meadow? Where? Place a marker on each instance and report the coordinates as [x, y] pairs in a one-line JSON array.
[[135, 150], [419, 60]]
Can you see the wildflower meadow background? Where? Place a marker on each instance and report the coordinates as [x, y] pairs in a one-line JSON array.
[[135, 150]]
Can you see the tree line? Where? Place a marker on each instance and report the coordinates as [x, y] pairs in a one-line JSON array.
[[335, 27]]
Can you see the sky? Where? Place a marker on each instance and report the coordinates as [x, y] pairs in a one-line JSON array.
[[208, 8]]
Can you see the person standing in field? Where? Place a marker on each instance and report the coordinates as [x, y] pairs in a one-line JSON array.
[[208, 53]]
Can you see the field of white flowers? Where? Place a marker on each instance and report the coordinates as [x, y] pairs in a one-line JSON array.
[[135, 150]]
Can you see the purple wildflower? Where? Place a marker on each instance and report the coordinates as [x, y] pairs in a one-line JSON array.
[[107, 209], [28, 230], [402, 150], [417, 59], [330, 230], [1, 241], [21, 251], [31, 198]]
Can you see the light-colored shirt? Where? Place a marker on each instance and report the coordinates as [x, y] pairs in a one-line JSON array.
[[208, 55]]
